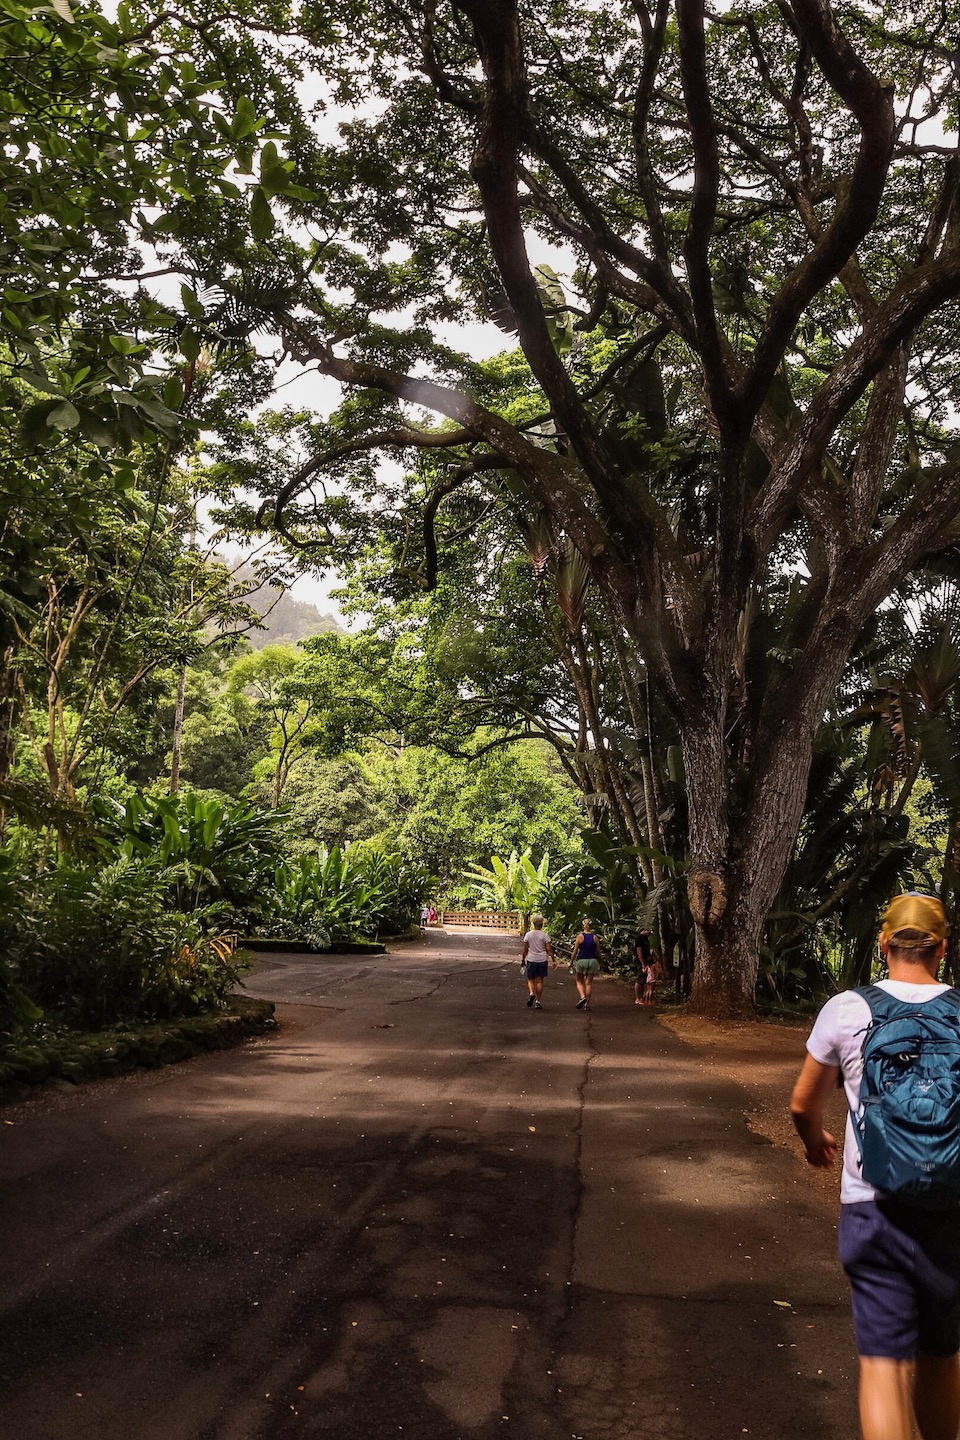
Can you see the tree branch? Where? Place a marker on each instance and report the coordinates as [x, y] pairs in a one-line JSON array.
[[871, 102], [703, 210], [917, 296]]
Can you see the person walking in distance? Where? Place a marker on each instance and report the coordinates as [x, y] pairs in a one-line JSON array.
[[586, 963], [536, 955], [654, 972], [896, 1047], [641, 951]]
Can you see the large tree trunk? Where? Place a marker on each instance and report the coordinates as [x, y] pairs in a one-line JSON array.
[[745, 808], [741, 845]]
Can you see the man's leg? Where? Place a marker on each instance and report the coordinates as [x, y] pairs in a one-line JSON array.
[[936, 1396], [539, 987], [886, 1409]]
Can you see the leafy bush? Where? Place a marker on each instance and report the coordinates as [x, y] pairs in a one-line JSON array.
[[98, 945], [515, 883], [211, 851], [340, 895], [601, 886], [400, 885], [18, 1014]]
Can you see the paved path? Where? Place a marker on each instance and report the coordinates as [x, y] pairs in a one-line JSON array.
[[421, 1211]]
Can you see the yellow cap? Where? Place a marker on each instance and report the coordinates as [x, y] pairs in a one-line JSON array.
[[922, 913]]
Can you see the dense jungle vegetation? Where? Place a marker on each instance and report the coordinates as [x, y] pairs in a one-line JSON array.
[[653, 598]]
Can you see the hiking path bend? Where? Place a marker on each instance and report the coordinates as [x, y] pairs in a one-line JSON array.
[[420, 1211]]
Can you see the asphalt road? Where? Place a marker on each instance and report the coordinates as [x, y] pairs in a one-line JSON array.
[[420, 1211]]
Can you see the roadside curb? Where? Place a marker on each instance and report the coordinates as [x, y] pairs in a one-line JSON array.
[[71, 1059]]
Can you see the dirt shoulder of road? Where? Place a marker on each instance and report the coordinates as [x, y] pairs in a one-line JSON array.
[[764, 1057]]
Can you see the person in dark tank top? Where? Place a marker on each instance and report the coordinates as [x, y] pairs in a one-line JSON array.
[[585, 960]]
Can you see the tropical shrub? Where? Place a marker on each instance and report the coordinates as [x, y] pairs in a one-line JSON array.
[[601, 886], [212, 852], [339, 895], [18, 1013], [400, 883], [513, 884], [101, 944]]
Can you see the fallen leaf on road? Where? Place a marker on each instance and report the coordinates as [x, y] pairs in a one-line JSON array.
[[532, 1129], [784, 1304]]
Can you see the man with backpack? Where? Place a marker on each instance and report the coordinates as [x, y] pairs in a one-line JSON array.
[[896, 1047]]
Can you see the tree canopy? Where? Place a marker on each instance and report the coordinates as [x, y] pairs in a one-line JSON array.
[[736, 403], [724, 245]]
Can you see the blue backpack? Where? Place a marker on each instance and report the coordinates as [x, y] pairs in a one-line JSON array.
[[908, 1127]]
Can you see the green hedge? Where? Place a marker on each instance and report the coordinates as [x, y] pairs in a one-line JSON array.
[[76, 1057], [280, 945]]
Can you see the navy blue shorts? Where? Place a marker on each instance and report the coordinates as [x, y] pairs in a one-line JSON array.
[[903, 1265], [537, 969]]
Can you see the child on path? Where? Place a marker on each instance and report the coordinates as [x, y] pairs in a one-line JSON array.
[[653, 974]]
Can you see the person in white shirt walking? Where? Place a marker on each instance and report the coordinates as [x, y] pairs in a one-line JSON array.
[[537, 954], [902, 1260]]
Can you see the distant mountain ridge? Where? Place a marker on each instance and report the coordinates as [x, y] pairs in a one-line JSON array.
[[285, 620]]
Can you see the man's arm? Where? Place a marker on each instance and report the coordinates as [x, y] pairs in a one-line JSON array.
[[523, 953], [814, 1084]]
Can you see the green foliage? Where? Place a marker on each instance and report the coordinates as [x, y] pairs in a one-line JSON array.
[[602, 886], [209, 852], [272, 679], [513, 884], [451, 813], [112, 140], [333, 802], [18, 1013], [100, 944], [337, 895], [223, 736]]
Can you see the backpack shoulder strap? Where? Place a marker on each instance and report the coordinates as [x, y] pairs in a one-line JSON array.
[[949, 1000], [884, 1006]]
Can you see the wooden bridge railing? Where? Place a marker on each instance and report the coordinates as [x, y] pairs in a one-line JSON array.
[[482, 919]]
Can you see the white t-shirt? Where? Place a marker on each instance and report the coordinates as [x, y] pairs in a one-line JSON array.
[[837, 1039], [536, 942]]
